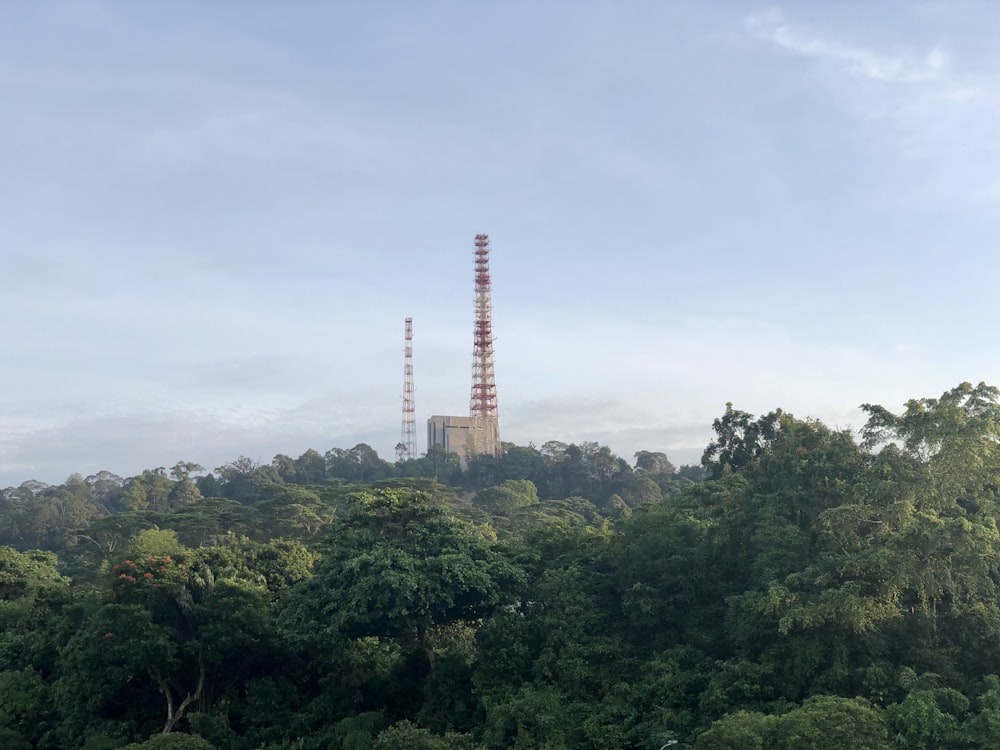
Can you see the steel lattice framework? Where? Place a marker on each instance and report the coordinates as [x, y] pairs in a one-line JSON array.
[[407, 447], [483, 403]]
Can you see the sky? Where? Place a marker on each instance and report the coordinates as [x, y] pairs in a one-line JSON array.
[[214, 218]]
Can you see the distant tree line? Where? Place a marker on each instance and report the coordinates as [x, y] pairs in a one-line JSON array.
[[37, 515]]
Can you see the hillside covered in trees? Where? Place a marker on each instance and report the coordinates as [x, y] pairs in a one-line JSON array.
[[803, 588]]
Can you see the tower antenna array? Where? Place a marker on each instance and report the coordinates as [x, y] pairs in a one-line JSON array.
[[485, 425], [407, 447]]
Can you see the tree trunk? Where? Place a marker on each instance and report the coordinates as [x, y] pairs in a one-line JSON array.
[[175, 715]]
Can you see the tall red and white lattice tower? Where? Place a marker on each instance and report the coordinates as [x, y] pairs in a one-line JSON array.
[[485, 427], [407, 447]]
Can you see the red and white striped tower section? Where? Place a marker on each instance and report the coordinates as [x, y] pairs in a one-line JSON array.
[[407, 447], [485, 427]]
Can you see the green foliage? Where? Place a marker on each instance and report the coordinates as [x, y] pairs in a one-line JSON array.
[[739, 730], [405, 734], [153, 542], [22, 573], [171, 742], [358, 464], [740, 440], [25, 706], [830, 722], [532, 717], [921, 722], [507, 497], [813, 592], [13, 740], [397, 565], [821, 723]]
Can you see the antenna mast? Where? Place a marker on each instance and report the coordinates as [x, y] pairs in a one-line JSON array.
[[483, 403], [407, 447]]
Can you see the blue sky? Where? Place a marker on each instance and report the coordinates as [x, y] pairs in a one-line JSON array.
[[215, 216]]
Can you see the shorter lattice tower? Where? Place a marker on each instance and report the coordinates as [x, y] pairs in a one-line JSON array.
[[485, 428], [407, 447]]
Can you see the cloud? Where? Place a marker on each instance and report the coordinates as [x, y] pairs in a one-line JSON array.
[[771, 26], [923, 112]]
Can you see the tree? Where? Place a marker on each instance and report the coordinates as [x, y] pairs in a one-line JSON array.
[[668, 589], [822, 723], [638, 490], [929, 719], [359, 464], [244, 479], [105, 485], [293, 511], [396, 566], [740, 730], [547, 660], [653, 462], [109, 671], [588, 469], [102, 539], [172, 742], [695, 473], [185, 491], [176, 629], [522, 462], [436, 463], [505, 498], [153, 543], [23, 573], [740, 439], [25, 706], [213, 519], [830, 722], [39, 521], [209, 486], [286, 468], [983, 728], [150, 490], [955, 438], [310, 467], [405, 734], [533, 716]]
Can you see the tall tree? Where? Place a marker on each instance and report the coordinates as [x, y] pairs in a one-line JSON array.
[[397, 566], [739, 440]]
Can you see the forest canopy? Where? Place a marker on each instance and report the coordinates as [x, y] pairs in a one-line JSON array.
[[804, 587]]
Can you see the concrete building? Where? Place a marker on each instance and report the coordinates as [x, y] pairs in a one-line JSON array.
[[465, 436]]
